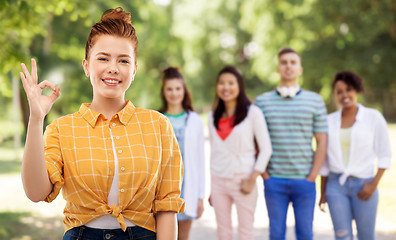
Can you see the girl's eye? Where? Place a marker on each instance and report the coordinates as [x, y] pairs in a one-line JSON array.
[[124, 61], [102, 59]]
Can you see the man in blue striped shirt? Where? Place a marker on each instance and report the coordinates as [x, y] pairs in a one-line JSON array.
[[294, 117]]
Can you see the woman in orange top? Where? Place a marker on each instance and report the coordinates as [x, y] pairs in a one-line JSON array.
[[119, 166]]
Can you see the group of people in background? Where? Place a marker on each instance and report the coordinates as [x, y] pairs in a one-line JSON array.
[[121, 167], [273, 138]]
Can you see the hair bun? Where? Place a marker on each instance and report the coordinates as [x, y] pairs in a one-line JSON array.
[[117, 13]]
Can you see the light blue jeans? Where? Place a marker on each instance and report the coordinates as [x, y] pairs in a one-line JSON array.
[[279, 193], [345, 206]]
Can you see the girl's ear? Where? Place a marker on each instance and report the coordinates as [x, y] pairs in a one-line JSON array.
[[134, 71], [85, 66]]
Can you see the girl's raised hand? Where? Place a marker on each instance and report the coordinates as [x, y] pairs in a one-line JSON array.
[[39, 104]]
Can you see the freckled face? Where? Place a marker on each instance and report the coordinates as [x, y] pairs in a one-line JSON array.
[[111, 66]]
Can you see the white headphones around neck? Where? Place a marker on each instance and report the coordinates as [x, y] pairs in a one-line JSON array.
[[288, 91]]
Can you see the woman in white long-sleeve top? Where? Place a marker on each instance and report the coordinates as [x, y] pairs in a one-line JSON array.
[[188, 128], [234, 125], [357, 137]]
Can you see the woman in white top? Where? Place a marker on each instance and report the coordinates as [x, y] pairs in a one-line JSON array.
[[188, 128], [357, 137], [234, 125]]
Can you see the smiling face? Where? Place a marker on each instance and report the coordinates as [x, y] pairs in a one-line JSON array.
[[111, 66], [345, 95], [227, 87], [289, 68], [174, 91]]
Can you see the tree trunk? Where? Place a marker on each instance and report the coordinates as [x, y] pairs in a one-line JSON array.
[[25, 110], [16, 116]]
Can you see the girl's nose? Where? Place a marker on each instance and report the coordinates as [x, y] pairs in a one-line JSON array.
[[113, 68]]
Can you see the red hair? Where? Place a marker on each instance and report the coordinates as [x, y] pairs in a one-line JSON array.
[[115, 22]]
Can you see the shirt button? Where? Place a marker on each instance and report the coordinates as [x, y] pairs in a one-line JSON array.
[[113, 124], [122, 169], [117, 137], [122, 190], [119, 151]]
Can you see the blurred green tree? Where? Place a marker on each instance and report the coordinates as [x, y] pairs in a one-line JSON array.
[[357, 35], [201, 37]]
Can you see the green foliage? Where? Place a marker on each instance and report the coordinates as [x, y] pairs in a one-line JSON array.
[[22, 225], [203, 36], [331, 36], [358, 36]]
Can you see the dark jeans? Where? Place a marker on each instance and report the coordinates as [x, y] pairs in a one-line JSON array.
[[131, 233]]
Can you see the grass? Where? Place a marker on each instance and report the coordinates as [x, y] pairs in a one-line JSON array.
[[26, 226], [10, 160], [7, 129]]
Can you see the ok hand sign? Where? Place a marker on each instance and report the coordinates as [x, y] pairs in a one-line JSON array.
[[39, 104]]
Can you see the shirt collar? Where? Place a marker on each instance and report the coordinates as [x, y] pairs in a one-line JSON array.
[[92, 116], [278, 93], [126, 113], [359, 114]]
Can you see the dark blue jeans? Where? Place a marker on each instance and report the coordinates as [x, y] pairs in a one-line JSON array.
[[86, 233], [279, 192]]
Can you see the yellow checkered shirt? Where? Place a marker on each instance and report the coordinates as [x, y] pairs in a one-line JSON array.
[[80, 161]]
